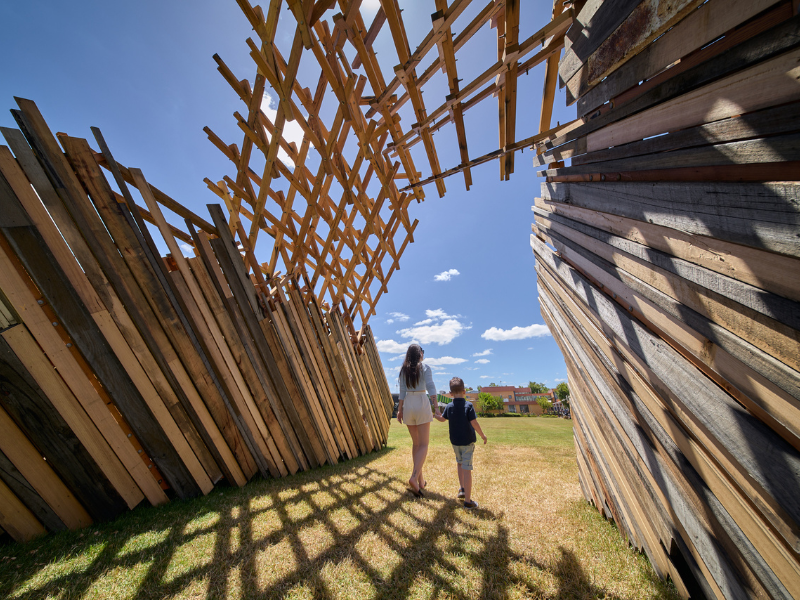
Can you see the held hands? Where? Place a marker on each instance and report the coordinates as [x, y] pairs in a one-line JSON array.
[[436, 410]]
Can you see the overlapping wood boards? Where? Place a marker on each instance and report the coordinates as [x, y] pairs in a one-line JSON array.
[[129, 376], [668, 260]]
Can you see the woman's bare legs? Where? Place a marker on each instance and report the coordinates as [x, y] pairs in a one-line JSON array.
[[420, 437]]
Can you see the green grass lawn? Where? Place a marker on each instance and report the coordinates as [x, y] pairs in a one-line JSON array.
[[352, 531]]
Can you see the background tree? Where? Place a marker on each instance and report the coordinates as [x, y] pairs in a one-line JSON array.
[[562, 391], [489, 402], [538, 388], [493, 384], [544, 403]]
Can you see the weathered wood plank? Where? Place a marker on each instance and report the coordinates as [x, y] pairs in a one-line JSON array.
[[730, 510], [25, 401], [713, 532], [16, 519], [594, 23], [702, 26], [45, 271], [767, 61], [152, 357], [761, 269], [764, 216], [778, 149]]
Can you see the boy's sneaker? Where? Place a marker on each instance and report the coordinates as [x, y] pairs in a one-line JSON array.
[[461, 494], [471, 504]]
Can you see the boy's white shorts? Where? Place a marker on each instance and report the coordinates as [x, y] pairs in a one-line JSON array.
[[464, 455]]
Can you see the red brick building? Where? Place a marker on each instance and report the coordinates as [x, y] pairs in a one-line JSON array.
[[519, 400]]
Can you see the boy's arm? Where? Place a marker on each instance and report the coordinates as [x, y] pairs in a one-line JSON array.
[[477, 428]]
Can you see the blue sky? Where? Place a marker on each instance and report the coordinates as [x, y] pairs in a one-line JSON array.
[[143, 73]]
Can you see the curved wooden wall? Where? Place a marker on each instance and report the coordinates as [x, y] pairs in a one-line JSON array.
[[669, 273], [128, 377]]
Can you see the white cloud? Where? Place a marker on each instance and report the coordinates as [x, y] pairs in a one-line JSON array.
[[530, 348], [484, 353], [370, 7], [424, 322], [438, 313], [485, 377], [390, 321], [471, 368], [399, 316], [446, 275], [398, 357], [445, 360], [393, 347], [188, 251], [292, 132], [515, 333], [440, 333], [559, 380], [482, 361]]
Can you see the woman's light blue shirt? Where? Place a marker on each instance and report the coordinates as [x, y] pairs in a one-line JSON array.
[[425, 382]]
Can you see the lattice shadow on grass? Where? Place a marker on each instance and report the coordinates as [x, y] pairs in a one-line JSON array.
[[430, 541]]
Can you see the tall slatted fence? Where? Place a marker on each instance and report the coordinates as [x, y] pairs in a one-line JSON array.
[[130, 377]]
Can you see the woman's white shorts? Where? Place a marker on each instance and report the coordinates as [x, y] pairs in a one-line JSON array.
[[417, 409]]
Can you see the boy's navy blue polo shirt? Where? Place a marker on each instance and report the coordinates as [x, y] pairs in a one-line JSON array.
[[459, 413]]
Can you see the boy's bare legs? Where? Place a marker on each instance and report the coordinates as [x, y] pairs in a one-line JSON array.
[[466, 479], [420, 438]]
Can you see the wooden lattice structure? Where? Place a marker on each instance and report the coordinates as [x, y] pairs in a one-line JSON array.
[[340, 241]]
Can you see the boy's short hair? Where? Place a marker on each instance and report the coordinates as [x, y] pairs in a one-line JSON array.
[[456, 384]]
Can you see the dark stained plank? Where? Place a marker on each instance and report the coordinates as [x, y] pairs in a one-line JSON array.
[[762, 123], [25, 492], [74, 317], [760, 48], [30, 408], [592, 26], [778, 149]]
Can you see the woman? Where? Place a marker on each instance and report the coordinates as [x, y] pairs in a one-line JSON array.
[[415, 409]]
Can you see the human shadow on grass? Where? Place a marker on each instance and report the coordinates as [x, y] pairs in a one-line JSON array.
[[352, 508]]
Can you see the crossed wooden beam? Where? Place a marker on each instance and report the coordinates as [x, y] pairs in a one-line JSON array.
[[325, 225]]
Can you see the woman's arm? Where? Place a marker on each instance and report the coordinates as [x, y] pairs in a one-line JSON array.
[[431, 388], [429, 385], [401, 396]]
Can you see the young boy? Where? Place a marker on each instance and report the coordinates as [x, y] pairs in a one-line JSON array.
[[463, 425]]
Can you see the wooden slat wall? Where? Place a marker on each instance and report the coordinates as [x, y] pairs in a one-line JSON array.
[[128, 377], [668, 257]]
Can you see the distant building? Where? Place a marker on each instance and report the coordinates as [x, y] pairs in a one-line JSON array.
[[519, 400]]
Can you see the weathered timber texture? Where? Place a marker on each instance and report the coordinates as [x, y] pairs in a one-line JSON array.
[[668, 254], [128, 376]]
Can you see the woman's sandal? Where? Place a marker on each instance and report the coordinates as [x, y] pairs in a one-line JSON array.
[[418, 492]]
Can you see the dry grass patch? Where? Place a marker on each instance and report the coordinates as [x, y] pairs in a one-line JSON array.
[[352, 531]]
